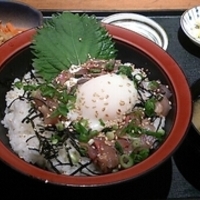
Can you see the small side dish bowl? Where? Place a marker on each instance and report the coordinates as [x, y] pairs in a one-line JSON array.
[[132, 47], [141, 24], [190, 24], [20, 15], [187, 157]]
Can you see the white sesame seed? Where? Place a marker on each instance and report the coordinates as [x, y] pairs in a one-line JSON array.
[[106, 115], [121, 103], [91, 141]]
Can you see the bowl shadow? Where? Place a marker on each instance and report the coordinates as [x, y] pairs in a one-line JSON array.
[[188, 155], [154, 185]]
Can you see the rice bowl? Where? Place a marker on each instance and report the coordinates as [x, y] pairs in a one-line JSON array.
[[134, 171], [35, 139]]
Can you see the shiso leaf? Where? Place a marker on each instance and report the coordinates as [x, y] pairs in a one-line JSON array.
[[68, 39]]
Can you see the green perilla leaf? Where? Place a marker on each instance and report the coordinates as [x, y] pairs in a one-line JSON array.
[[68, 39]]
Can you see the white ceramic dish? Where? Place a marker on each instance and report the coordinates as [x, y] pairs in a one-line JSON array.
[[190, 24], [140, 24]]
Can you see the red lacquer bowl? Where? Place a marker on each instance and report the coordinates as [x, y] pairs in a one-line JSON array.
[[15, 60]]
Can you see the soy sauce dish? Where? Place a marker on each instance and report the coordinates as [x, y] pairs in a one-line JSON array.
[[82, 131]]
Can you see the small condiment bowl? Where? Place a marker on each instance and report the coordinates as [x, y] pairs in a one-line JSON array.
[[190, 24], [187, 157], [141, 24], [19, 15]]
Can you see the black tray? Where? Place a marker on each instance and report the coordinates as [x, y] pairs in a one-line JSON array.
[[166, 182]]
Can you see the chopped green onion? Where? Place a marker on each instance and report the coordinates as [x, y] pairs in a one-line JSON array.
[[110, 135], [60, 126], [101, 122], [55, 139], [48, 90], [18, 85], [118, 147], [30, 87], [150, 107], [74, 155], [84, 122], [95, 70], [158, 134], [153, 85], [62, 109], [125, 70], [84, 134], [138, 77], [141, 155], [83, 150], [130, 129], [136, 143], [126, 161], [110, 66], [161, 131]]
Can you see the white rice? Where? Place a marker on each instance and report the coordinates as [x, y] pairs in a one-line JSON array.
[[24, 142], [19, 132]]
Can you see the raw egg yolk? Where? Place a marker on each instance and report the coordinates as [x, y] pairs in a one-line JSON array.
[[107, 97]]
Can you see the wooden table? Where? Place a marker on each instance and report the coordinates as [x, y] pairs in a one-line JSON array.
[[112, 5]]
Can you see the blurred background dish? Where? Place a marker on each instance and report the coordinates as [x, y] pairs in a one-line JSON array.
[[190, 24], [187, 157], [15, 17], [140, 24]]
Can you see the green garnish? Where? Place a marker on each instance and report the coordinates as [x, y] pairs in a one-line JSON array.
[[55, 139], [60, 126], [134, 130], [158, 134], [136, 142], [101, 122], [126, 161], [62, 109], [18, 85], [68, 39], [94, 70], [141, 155], [131, 129], [150, 107], [47, 90], [29, 87], [74, 155], [153, 85], [110, 66], [84, 133], [125, 70], [119, 148]]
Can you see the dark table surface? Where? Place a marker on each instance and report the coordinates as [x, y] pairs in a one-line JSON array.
[[164, 182], [187, 55]]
